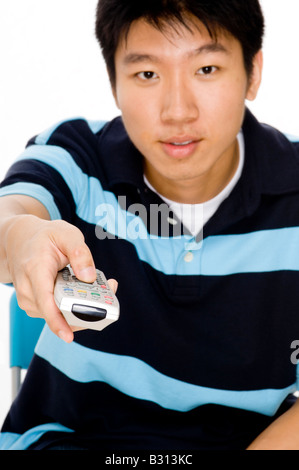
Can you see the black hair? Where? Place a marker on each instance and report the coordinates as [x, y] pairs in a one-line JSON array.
[[243, 19]]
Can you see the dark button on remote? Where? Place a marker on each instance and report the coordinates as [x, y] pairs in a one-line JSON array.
[[87, 313]]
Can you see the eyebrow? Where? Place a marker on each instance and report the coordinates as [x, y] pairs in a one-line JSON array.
[[213, 47]]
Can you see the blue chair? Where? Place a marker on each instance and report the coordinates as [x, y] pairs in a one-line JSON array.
[[24, 334]]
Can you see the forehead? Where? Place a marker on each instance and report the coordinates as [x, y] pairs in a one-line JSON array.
[[172, 39]]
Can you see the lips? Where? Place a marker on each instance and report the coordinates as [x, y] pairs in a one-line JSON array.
[[180, 147]]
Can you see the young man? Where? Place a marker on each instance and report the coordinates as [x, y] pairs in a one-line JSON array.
[[191, 205]]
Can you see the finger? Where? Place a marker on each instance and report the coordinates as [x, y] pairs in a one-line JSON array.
[[71, 242], [113, 284], [42, 285], [56, 321], [44, 307]]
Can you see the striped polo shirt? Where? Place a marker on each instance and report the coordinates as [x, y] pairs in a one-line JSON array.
[[201, 356]]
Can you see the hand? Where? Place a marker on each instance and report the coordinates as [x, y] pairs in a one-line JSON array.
[[36, 250]]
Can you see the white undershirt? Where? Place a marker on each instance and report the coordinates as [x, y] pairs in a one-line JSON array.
[[195, 216]]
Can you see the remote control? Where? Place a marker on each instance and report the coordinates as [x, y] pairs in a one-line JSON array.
[[85, 305]]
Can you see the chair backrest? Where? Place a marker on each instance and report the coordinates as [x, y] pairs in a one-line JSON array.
[[24, 333]]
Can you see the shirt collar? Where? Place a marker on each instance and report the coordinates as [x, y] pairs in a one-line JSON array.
[[122, 162], [271, 160]]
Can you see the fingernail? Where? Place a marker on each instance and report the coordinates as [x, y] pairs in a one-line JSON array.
[[113, 284], [87, 274], [64, 336]]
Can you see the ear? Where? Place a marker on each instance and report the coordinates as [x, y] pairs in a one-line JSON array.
[[256, 77]]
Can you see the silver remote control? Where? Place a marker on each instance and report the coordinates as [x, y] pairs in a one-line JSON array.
[[85, 305]]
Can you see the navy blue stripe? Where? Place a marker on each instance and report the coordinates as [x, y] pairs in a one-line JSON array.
[[44, 137], [137, 379]]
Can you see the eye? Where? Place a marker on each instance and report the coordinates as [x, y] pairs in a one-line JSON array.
[[146, 76], [208, 70]]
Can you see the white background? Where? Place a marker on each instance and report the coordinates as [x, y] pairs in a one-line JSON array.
[[52, 69]]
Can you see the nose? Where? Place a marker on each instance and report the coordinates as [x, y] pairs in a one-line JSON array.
[[179, 103]]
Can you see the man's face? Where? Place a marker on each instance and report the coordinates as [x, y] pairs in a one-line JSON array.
[[182, 97]]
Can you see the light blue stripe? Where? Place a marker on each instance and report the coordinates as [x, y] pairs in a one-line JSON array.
[[87, 191], [137, 379], [95, 126], [263, 251], [36, 191], [292, 138], [12, 441], [63, 163]]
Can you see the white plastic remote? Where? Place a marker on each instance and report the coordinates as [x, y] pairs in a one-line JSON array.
[[92, 306]]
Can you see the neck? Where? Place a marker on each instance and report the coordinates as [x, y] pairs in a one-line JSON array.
[[197, 189]]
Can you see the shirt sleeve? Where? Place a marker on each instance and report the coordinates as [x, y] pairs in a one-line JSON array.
[[56, 168]]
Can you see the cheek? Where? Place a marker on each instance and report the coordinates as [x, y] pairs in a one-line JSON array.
[[226, 104], [134, 110], [230, 96], [140, 121], [137, 105], [138, 126]]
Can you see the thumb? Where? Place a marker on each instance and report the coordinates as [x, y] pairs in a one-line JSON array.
[[72, 245]]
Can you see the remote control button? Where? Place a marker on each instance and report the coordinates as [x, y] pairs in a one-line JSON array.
[[87, 287], [68, 291], [87, 313], [82, 293], [95, 294]]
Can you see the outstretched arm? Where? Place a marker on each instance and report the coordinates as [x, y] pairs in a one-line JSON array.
[[32, 250]]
